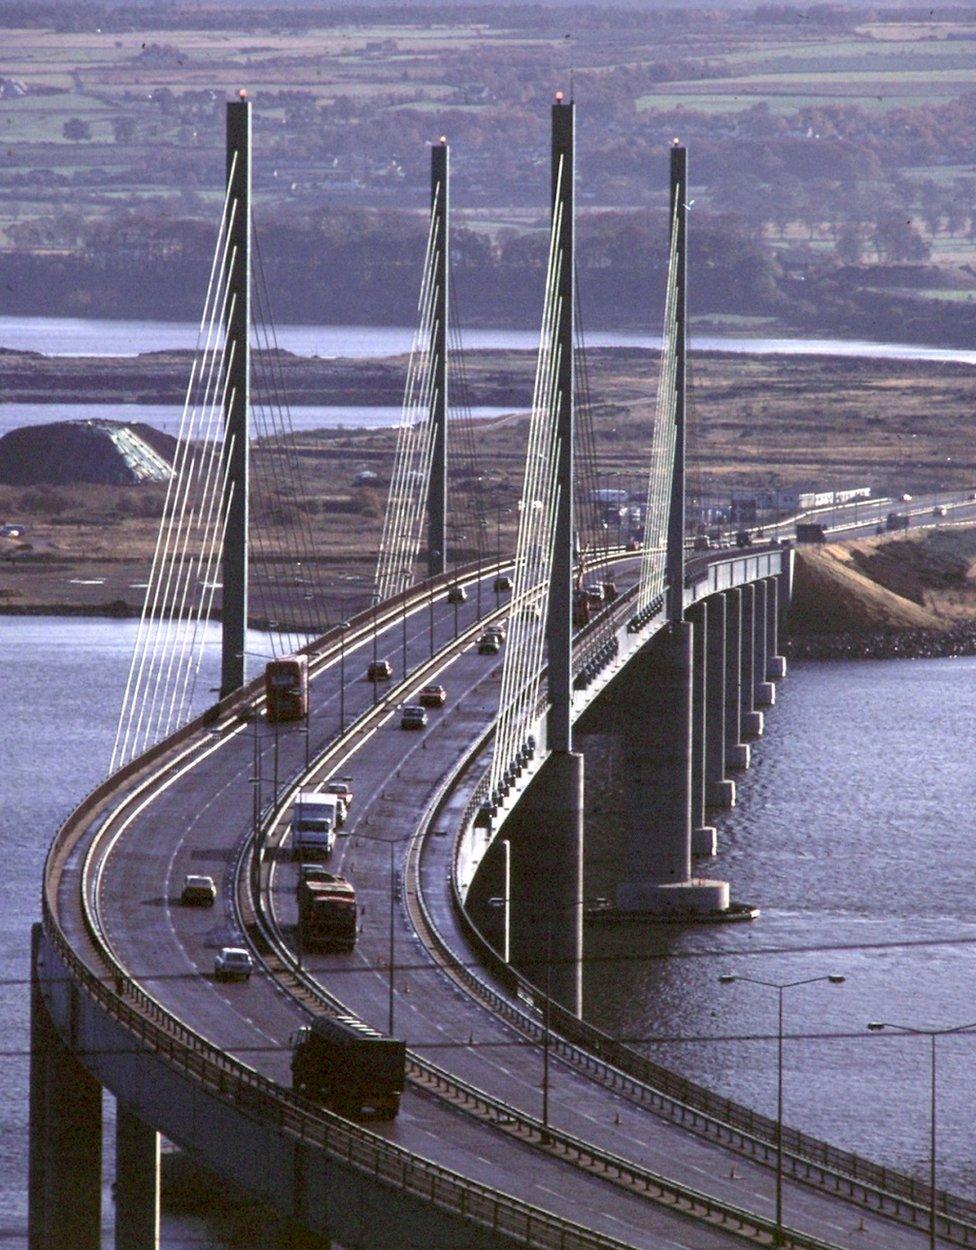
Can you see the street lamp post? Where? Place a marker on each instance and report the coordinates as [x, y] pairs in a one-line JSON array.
[[430, 611], [876, 1026], [393, 843], [834, 978], [342, 677]]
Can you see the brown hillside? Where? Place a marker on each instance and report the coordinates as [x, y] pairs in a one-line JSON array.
[[832, 596]]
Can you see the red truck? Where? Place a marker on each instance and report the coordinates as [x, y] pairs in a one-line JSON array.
[[326, 910]]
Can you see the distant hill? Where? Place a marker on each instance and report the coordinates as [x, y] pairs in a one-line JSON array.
[[63, 453]]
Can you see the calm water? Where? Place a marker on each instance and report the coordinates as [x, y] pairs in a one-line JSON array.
[[167, 416], [69, 336], [62, 686], [853, 834]]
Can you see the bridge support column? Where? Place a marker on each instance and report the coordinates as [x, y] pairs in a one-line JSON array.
[[546, 910], [137, 1177], [775, 663], [764, 692], [65, 1153], [750, 720], [657, 725], [736, 751], [703, 839], [719, 790]]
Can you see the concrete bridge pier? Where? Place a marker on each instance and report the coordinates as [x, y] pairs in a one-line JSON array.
[[719, 789], [545, 833], [750, 719], [764, 692], [656, 723], [65, 1153], [703, 836], [137, 1183], [736, 751], [775, 663]]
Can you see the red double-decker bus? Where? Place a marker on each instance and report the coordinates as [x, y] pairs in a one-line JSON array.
[[286, 688]]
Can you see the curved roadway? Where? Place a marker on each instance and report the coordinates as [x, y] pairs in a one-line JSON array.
[[199, 823]]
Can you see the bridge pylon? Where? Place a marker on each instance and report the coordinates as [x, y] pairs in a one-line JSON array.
[[237, 434], [547, 859], [664, 706], [440, 237]]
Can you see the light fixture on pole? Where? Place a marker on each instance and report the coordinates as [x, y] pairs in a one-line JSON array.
[[832, 978], [877, 1026]]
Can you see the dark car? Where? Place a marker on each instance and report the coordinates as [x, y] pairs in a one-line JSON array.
[[379, 670], [457, 594], [412, 716], [503, 582], [432, 696], [198, 891], [488, 644], [743, 539]]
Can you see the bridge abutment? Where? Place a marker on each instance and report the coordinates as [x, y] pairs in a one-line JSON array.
[[137, 1182], [546, 908], [775, 663], [719, 789], [764, 692], [750, 719], [65, 1153], [703, 836], [736, 751], [656, 721]]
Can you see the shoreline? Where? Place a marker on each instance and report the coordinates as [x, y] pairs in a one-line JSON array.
[[908, 644]]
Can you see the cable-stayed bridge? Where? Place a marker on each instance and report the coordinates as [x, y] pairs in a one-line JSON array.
[[521, 1123]]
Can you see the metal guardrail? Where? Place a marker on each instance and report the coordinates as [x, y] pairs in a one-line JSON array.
[[182, 1048], [574, 1150]]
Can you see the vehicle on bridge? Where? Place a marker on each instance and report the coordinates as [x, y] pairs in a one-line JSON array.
[[233, 963], [314, 821], [286, 688], [412, 716], [488, 644], [502, 582], [326, 910], [743, 539], [349, 1067], [810, 533], [341, 790], [432, 696], [379, 670], [198, 891], [897, 521], [457, 594], [940, 510]]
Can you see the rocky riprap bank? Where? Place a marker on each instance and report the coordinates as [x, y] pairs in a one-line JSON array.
[[908, 644]]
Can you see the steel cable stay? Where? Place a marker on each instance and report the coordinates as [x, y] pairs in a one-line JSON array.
[[219, 255], [177, 587], [293, 462], [651, 583], [467, 440], [407, 495], [160, 632], [203, 526], [153, 635], [521, 668], [529, 576], [272, 470], [149, 675]]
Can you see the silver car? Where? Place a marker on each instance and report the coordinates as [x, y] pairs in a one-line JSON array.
[[233, 963]]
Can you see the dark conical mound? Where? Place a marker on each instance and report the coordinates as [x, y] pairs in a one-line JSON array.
[[111, 453]]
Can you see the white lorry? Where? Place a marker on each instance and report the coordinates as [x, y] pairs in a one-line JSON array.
[[314, 821]]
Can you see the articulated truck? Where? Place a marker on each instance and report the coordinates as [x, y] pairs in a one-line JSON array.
[[349, 1067], [326, 910]]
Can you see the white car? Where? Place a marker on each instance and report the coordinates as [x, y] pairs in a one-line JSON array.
[[233, 963]]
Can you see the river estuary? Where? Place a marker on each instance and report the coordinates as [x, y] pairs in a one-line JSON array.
[[851, 834]]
